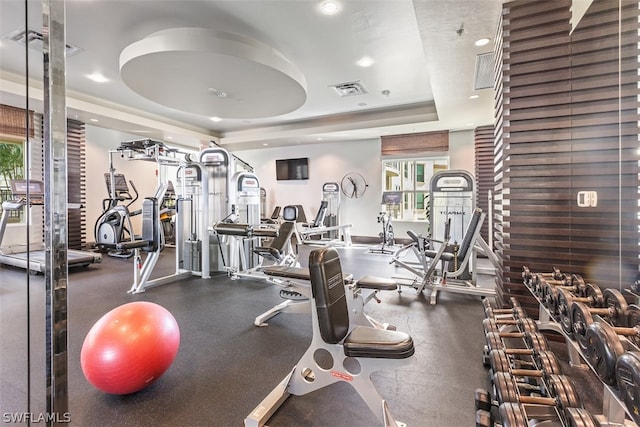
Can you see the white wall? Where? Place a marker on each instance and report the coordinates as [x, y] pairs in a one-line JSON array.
[[327, 162], [330, 162], [143, 174]]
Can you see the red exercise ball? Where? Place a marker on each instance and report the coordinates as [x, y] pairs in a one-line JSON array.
[[130, 347]]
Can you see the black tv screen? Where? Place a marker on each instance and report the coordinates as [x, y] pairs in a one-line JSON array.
[[292, 169]]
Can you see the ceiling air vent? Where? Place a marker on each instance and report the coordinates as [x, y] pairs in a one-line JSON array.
[[484, 71], [35, 40], [349, 88]]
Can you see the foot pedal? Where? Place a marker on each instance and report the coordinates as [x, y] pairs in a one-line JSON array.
[[292, 295]]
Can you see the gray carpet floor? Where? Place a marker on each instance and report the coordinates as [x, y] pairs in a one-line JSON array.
[[226, 365]]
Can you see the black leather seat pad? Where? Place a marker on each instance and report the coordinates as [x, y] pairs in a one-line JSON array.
[[365, 341], [373, 282]]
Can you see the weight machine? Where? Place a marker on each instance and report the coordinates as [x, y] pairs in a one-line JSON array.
[[326, 223], [152, 242]]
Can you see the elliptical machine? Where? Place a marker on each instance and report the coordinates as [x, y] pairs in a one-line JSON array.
[[114, 226]]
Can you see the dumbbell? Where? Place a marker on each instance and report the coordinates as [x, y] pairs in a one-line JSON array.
[[600, 342], [549, 291], [516, 312], [615, 310], [535, 341], [559, 389], [525, 324], [593, 298], [536, 279], [514, 415], [543, 363]]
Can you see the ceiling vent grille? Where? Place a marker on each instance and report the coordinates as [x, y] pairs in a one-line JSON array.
[[34, 40], [349, 88], [484, 71]]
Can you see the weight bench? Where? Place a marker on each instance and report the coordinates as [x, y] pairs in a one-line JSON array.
[[449, 280], [296, 284], [355, 351]]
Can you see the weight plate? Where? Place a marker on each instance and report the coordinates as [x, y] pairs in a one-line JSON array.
[[482, 399], [581, 319], [579, 417], [580, 285], [494, 341], [506, 387], [547, 295], [548, 362], [527, 324], [526, 275], [628, 380], [489, 325], [563, 389], [488, 313], [483, 418], [603, 349], [519, 313], [536, 341], [565, 299], [557, 274], [513, 415], [633, 315], [514, 302], [617, 305], [499, 361], [536, 283], [594, 293]]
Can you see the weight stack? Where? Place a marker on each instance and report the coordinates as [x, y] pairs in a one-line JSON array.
[[192, 255]]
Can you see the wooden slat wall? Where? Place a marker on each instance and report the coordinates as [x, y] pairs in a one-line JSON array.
[[415, 143], [483, 147], [76, 188], [77, 232], [560, 132]]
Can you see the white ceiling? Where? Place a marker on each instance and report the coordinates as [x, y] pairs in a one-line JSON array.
[[422, 50]]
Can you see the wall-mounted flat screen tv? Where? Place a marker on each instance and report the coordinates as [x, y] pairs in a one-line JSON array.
[[292, 169]]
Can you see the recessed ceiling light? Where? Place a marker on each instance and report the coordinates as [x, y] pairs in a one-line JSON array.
[[264, 144], [364, 62], [97, 77], [169, 137], [319, 139], [93, 120], [215, 119], [329, 7], [474, 97], [482, 42]]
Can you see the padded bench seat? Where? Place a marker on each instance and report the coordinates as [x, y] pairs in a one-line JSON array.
[[379, 283], [128, 244], [233, 229], [297, 273], [364, 341]]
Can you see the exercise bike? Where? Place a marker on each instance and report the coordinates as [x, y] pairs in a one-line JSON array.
[[388, 240], [114, 226]]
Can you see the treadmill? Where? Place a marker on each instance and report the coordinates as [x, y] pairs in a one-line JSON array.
[[17, 255]]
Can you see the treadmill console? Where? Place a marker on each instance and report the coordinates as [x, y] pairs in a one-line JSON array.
[[20, 188]]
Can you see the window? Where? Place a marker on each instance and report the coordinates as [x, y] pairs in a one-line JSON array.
[[11, 167], [412, 177]]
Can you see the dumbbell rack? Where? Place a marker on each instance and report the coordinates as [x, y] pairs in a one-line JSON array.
[[614, 409]]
